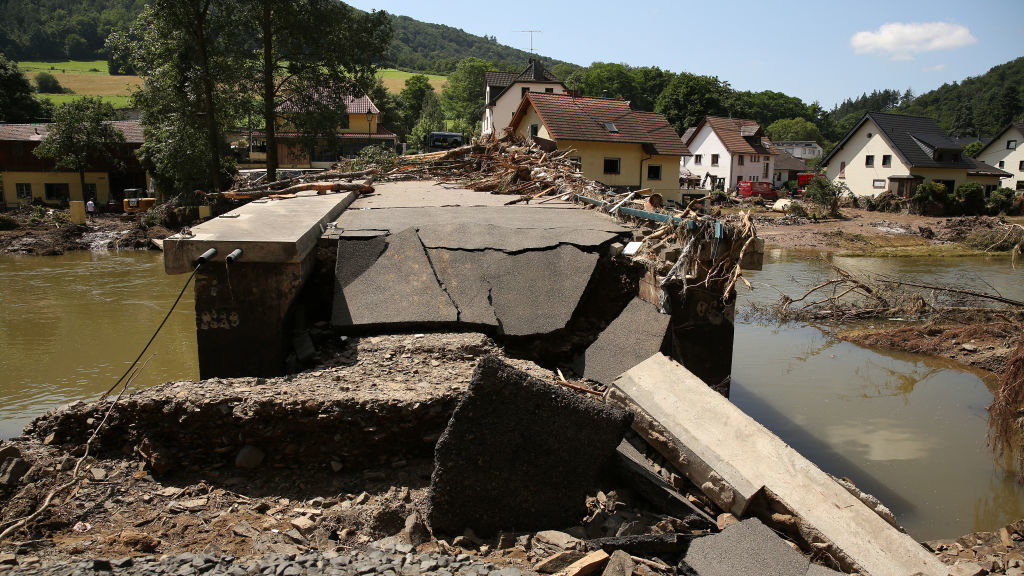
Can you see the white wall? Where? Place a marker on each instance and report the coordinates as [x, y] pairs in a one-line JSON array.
[[1011, 158], [706, 143], [497, 117]]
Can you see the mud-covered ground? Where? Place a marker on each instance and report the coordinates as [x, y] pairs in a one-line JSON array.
[[50, 233]]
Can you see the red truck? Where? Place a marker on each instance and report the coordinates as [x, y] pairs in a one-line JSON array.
[[748, 188]]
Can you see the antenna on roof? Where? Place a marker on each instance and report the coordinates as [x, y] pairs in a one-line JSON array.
[[531, 32]]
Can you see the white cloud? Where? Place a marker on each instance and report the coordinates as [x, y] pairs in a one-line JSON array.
[[901, 40], [936, 68]]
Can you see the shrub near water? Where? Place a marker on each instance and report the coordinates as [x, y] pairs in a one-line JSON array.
[[1001, 201], [969, 199]]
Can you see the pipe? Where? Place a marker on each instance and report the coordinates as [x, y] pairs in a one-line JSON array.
[[206, 256], [235, 255]]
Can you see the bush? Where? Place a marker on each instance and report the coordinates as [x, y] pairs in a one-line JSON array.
[[929, 198], [825, 194], [382, 157], [8, 222], [969, 198], [47, 83], [1000, 201]]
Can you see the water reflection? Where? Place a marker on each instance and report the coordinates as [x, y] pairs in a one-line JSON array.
[[908, 428]]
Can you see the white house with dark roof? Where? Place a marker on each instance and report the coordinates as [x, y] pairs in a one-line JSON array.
[[505, 90], [1006, 151], [897, 152], [804, 149], [729, 150]]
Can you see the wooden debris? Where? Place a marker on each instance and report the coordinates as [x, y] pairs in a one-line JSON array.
[[589, 564]]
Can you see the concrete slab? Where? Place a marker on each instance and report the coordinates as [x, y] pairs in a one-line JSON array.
[[637, 333], [267, 231], [465, 276], [355, 257], [747, 548], [537, 292], [399, 288], [475, 236], [525, 217], [738, 457], [520, 454]]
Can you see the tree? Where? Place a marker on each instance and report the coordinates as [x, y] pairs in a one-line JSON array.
[[973, 148], [47, 83], [412, 98], [463, 98], [312, 55], [1008, 105], [16, 101], [963, 122], [82, 137], [688, 98], [191, 55], [793, 129], [431, 120]]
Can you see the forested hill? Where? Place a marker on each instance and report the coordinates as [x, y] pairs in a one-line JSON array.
[[978, 106], [436, 48], [58, 30]]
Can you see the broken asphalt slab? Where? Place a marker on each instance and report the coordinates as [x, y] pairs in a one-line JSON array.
[[637, 333], [747, 548], [520, 454]]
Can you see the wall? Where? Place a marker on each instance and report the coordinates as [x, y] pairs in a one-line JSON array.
[[592, 155], [38, 179], [1012, 159], [751, 169], [500, 115]]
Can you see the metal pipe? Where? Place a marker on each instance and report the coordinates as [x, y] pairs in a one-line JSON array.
[[235, 255], [206, 256]]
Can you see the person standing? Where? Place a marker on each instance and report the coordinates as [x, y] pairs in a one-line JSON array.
[[90, 208]]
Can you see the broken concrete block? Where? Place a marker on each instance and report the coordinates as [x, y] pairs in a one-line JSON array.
[[619, 564], [557, 539], [637, 333], [520, 454], [558, 561], [748, 548]]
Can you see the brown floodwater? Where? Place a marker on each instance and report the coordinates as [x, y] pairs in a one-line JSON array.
[[907, 428], [910, 429], [71, 325]]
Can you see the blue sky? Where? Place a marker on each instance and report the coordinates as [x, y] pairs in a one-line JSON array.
[[822, 50]]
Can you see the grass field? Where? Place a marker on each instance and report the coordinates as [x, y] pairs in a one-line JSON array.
[[90, 78]]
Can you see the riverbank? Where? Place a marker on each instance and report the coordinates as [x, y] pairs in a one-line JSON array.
[[49, 232]]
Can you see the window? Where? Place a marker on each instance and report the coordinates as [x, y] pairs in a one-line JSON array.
[[23, 190], [611, 165], [1020, 184], [55, 192], [764, 172], [1021, 166], [886, 160], [878, 183], [611, 127], [714, 159], [869, 160], [654, 172], [549, 90], [842, 169], [1001, 164], [739, 160], [697, 159], [1011, 144], [534, 130]]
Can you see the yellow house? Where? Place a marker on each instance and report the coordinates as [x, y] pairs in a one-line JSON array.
[[360, 128], [613, 143], [896, 152], [24, 177]]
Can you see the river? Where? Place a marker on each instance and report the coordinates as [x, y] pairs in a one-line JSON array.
[[907, 428]]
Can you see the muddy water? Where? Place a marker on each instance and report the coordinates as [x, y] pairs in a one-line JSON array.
[[71, 325], [907, 428]]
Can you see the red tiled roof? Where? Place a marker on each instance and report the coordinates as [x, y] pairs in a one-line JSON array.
[[574, 118], [353, 105], [131, 129], [731, 132]]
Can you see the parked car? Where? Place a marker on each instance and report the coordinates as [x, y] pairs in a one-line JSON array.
[[748, 188]]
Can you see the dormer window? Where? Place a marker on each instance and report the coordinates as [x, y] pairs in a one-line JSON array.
[[611, 127], [1011, 144]]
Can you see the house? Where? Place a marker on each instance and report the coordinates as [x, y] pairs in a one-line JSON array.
[[1006, 152], [24, 177], [786, 168], [728, 150], [612, 143], [897, 152], [804, 149], [361, 127], [505, 90]]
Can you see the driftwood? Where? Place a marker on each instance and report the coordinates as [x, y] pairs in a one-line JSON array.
[[290, 185]]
